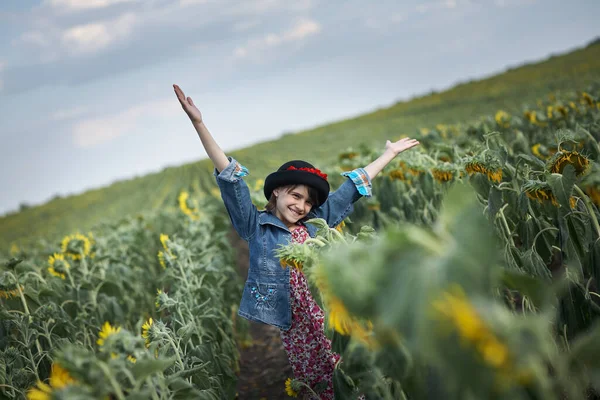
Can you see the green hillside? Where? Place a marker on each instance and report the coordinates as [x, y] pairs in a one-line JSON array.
[[514, 91]]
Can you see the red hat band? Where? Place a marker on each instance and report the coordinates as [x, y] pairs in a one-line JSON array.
[[310, 170]]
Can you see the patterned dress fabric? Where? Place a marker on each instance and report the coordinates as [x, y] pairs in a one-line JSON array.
[[307, 347]]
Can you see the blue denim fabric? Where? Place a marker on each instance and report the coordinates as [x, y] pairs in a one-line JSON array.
[[266, 295]]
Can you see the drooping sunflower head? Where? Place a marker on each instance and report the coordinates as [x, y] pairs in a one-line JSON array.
[[76, 246], [539, 191], [562, 158], [348, 155], [397, 174], [8, 286], [587, 99], [443, 173], [491, 169], [594, 193], [106, 331], [58, 266]]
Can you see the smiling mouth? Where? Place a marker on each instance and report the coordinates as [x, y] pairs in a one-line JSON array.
[[294, 212]]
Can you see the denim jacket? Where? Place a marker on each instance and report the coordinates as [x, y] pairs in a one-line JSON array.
[[266, 295]]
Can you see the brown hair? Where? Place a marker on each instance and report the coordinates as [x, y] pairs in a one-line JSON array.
[[313, 195]]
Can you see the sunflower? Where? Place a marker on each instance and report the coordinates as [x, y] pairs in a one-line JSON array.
[[373, 206], [502, 119], [59, 379], [161, 259], [397, 174], [14, 249], [415, 171], [540, 194], [493, 174], [594, 194], [338, 316], [146, 331], [288, 388], [163, 240], [258, 185], [290, 262], [58, 265], [563, 158], [106, 331], [8, 293], [563, 111], [587, 99], [189, 208], [453, 308], [442, 175], [76, 246], [158, 298], [348, 155]]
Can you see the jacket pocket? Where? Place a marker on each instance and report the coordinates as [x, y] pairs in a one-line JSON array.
[[264, 295]]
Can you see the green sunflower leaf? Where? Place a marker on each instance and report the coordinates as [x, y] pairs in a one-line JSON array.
[[562, 185]]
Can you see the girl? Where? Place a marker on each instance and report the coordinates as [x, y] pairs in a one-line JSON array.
[[297, 191]]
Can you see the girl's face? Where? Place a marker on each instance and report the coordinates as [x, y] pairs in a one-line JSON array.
[[292, 204]]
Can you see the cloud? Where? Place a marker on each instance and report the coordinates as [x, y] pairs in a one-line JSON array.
[[96, 131], [90, 38], [81, 47], [301, 30], [81, 5], [68, 113]]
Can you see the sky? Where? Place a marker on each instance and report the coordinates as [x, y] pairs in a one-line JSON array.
[[86, 92]]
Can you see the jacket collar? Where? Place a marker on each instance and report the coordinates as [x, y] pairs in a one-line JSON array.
[[265, 217]]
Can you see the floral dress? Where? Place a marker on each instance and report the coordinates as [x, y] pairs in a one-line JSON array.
[[307, 347]]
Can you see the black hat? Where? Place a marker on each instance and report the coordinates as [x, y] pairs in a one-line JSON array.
[[301, 173]]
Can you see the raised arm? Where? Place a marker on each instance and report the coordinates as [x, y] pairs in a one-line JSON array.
[[391, 151], [339, 204], [213, 150]]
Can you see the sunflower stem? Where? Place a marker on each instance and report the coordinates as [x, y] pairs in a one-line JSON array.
[[112, 381], [590, 208], [316, 241], [309, 389], [176, 350], [150, 385], [22, 296], [503, 218]]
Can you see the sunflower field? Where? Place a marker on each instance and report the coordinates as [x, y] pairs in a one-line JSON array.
[[481, 279], [128, 311], [471, 273]]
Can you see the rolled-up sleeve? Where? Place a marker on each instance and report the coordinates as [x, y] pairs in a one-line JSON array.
[[339, 204], [361, 180], [236, 197]]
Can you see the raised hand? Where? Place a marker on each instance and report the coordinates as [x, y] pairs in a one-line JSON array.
[[188, 105], [401, 145]]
